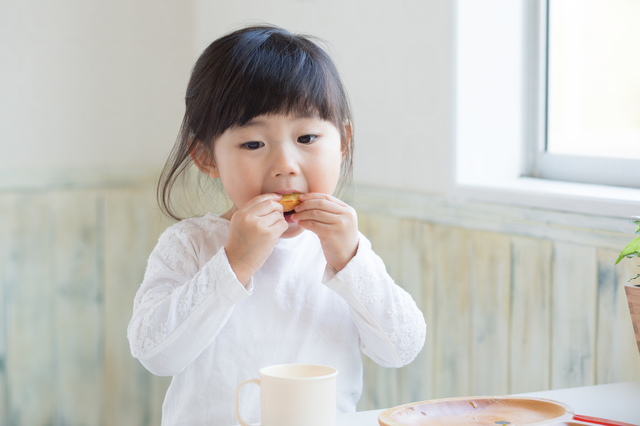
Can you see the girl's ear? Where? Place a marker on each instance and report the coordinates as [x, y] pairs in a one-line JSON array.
[[203, 160]]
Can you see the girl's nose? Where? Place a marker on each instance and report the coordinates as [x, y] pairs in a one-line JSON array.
[[284, 163]]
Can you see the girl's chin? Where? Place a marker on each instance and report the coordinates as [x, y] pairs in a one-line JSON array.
[[293, 231]]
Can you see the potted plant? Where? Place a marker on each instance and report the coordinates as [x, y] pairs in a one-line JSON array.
[[633, 291]]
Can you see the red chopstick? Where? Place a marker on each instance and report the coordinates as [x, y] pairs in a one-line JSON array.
[[600, 421]]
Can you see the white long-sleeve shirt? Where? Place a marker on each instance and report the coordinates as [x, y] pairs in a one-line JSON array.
[[193, 320]]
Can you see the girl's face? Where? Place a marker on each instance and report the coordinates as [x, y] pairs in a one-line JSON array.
[[278, 154]]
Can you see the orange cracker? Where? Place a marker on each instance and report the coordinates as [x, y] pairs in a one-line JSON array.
[[290, 201]]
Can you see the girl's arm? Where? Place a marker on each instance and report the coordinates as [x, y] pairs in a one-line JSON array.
[[392, 328], [179, 308]]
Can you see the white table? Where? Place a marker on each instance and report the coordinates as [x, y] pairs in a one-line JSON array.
[[617, 401]]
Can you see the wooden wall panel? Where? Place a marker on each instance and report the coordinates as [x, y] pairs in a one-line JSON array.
[[573, 327], [451, 351], [78, 304], [618, 359], [530, 326], [7, 279], [132, 395], [363, 223], [490, 285], [30, 313], [507, 311], [427, 372], [382, 384], [415, 377]]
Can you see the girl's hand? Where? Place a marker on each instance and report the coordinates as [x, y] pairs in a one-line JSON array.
[[335, 223], [253, 233]]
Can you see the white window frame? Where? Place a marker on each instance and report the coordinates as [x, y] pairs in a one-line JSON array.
[[571, 168], [500, 112]]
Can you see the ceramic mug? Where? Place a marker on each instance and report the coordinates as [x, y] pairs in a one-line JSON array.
[[295, 395]]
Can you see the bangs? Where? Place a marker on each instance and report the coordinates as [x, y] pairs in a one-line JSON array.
[[284, 80], [273, 72]]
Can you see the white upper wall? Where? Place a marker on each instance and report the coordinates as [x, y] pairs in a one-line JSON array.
[[91, 85], [100, 85], [396, 62]]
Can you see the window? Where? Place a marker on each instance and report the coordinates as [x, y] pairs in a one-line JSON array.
[[501, 117], [590, 56]]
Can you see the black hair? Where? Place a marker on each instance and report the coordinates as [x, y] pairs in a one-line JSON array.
[[250, 72]]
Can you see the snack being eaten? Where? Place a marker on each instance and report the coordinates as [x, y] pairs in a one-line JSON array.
[[290, 201]]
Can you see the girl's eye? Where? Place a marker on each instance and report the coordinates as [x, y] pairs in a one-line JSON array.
[[252, 145], [306, 139]]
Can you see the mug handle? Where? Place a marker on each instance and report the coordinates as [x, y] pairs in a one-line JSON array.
[[257, 382]]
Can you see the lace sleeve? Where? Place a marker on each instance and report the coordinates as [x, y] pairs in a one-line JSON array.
[[170, 325], [392, 328]]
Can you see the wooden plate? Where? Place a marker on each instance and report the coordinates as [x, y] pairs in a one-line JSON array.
[[496, 410]]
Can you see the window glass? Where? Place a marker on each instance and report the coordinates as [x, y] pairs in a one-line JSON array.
[[593, 103]]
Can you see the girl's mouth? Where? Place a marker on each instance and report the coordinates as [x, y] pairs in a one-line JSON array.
[[287, 216]]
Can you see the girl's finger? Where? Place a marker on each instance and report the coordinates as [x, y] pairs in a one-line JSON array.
[[268, 219], [322, 204], [280, 225], [320, 196], [316, 215], [272, 219], [314, 226], [266, 207], [260, 200]]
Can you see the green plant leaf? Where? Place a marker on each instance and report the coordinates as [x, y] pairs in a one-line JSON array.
[[637, 276], [631, 250]]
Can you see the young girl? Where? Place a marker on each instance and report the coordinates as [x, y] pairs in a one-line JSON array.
[[224, 296]]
